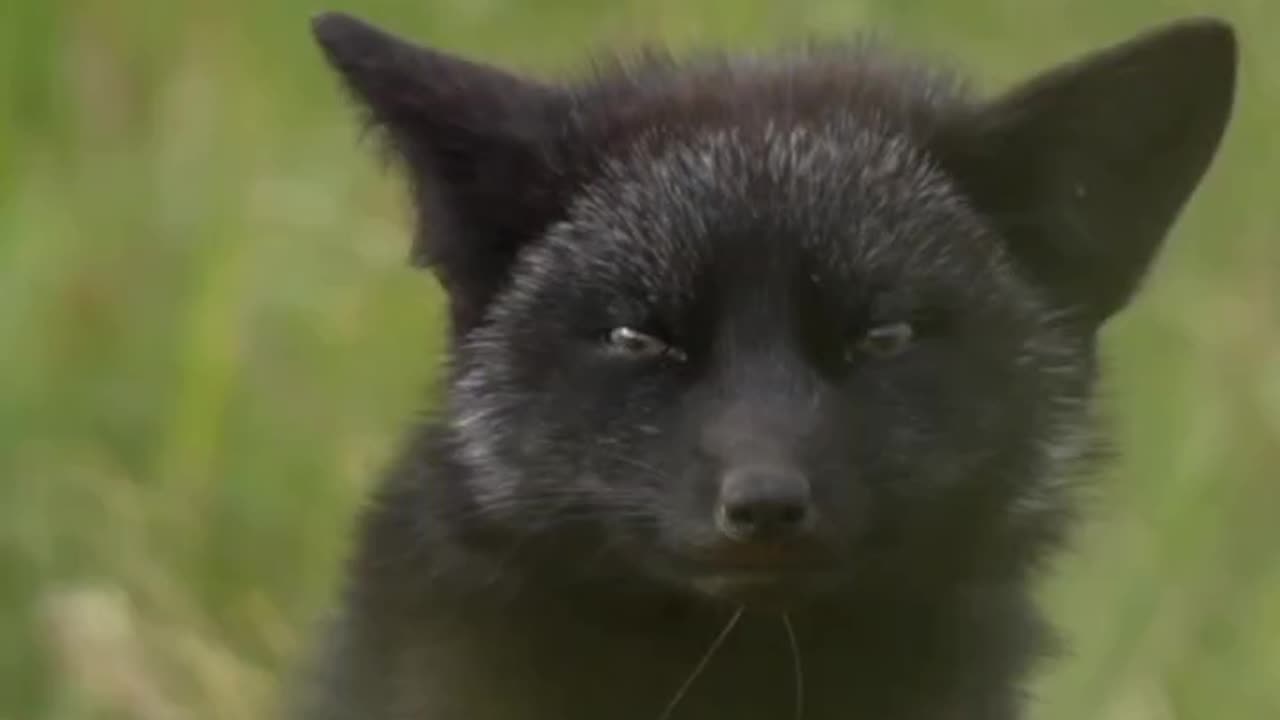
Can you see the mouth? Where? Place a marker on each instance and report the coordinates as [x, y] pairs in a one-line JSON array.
[[767, 589], [759, 575]]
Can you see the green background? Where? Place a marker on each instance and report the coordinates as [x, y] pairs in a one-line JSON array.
[[209, 336]]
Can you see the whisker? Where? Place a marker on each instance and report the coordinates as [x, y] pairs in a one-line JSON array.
[[702, 664], [796, 665]]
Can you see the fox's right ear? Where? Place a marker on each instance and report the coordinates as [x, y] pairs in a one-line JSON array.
[[478, 143]]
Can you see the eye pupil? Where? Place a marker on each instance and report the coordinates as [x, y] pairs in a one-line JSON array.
[[631, 342], [886, 340]]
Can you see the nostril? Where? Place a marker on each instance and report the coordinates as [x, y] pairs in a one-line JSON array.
[[763, 504], [792, 514], [765, 514], [740, 515]]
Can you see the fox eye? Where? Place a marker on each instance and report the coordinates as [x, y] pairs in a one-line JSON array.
[[633, 343], [886, 340]]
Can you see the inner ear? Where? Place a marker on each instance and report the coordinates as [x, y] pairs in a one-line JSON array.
[[478, 144], [1085, 167]]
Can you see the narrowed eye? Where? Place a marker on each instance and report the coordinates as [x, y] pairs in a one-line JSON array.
[[633, 343], [886, 340]]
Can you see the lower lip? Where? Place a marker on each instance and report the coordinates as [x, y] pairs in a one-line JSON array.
[[747, 586], [738, 579]]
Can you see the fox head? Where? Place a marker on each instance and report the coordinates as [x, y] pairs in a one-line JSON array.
[[760, 328]]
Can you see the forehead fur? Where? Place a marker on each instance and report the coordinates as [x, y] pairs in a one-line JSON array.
[[656, 96], [764, 154], [844, 194]]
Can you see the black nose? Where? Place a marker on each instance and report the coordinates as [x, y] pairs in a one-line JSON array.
[[764, 503]]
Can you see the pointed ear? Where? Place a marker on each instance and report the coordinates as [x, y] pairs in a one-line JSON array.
[[1084, 168], [477, 142]]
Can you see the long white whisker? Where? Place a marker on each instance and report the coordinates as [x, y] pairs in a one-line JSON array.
[[702, 665], [796, 665]]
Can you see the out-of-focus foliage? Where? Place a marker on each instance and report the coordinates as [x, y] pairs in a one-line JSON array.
[[208, 338]]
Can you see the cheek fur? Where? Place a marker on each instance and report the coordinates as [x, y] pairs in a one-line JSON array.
[[548, 419]]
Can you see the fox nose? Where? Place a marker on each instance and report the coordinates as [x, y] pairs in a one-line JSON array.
[[763, 503]]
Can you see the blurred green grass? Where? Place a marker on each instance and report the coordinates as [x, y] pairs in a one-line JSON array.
[[208, 338]]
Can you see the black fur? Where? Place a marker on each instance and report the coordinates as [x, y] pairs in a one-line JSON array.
[[547, 546]]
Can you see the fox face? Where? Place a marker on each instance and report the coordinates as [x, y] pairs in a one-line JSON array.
[[787, 329], [748, 361]]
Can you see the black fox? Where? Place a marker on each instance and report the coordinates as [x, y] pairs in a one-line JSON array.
[[770, 377]]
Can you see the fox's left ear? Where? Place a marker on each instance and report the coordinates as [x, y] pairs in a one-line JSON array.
[[478, 143], [1085, 167]]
